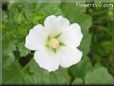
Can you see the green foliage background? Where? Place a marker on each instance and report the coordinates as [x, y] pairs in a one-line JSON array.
[[18, 65]]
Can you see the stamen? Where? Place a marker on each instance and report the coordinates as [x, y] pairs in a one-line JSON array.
[[54, 43]]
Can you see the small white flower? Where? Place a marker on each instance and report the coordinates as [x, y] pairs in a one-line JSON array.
[[55, 43]]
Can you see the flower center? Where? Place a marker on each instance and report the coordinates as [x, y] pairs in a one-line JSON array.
[[54, 43]]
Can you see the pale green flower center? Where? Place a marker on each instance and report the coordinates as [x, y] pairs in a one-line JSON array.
[[54, 43]]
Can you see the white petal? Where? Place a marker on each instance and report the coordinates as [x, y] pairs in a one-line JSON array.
[[72, 36], [69, 56], [46, 60], [55, 25], [36, 38]]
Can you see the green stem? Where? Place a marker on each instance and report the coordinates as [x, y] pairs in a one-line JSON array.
[[26, 66]]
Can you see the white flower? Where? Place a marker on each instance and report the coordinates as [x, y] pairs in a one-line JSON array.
[[55, 43]]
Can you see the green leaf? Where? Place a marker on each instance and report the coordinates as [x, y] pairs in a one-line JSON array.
[[14, 29], [8, 56], [22, 49], [72, 12], [77, 81], [99, 76], [85, 44], [12, 74], [79, 70], [38, 75], [51, 9], [85, 21], [98, 65]]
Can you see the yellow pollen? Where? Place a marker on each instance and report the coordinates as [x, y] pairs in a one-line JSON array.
[[54, 43]]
